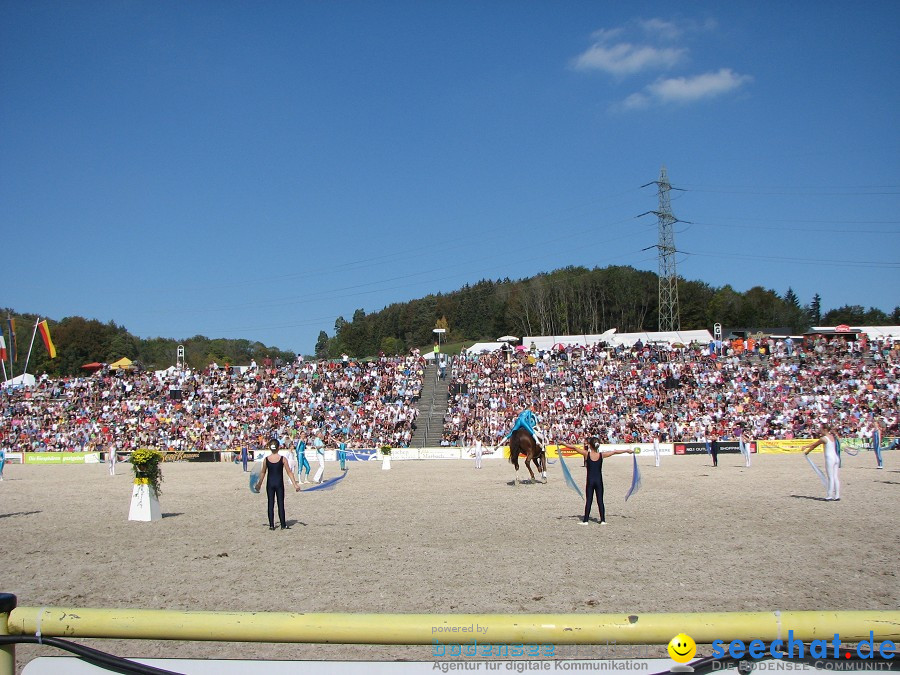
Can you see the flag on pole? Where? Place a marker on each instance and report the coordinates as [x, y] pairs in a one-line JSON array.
[[2, 348], [12, 339], [45, 336], [635, 479]]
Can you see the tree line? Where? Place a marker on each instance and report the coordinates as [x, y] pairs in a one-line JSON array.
[[568, 301], [577, 301], [81, 341]]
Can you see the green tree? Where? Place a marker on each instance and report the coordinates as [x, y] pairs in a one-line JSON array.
[[120, 345], [725, 307], [392, 346], [814, 310], [321, 350], [849, 314], [855, 315]]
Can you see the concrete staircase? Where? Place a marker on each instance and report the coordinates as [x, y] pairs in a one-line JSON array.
[[432, 408]]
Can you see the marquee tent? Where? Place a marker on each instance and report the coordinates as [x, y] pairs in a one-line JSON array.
[[23, 380]]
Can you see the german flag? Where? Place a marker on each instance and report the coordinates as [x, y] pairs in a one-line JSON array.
[[45, 335]]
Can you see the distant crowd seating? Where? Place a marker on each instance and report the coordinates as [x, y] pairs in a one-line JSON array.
[[688, 394], [624, 394], [364, 404]]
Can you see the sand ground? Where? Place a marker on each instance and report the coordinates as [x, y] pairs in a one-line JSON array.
[[440, 536]]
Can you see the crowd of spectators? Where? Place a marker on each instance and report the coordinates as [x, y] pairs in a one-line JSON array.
[[624, 395], [775, 390], [365, 404]]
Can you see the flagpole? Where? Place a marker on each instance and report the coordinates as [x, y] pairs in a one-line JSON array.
[[27, 358], [11, 347]]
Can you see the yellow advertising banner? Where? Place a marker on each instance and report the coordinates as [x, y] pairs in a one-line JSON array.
[[785, 446], [551, 450], [567, 451]]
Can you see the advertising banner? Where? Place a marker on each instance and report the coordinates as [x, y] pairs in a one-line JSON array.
[[865, 444], [439, 453], [191, 456], [174, 456], [62, 458], [642, 450], [402, 454], [362, 455], [725, 447], [487, 452], [785, 446]]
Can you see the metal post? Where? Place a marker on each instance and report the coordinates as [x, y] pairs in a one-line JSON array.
[[28, 358]]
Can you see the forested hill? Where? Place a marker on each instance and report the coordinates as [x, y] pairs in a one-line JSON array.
[[574, 301], [570, 301], [79, 341]]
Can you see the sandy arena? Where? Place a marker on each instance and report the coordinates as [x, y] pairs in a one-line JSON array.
[[441, 537]]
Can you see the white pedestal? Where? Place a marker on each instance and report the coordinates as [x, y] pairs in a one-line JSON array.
[[386, 463], [144, 503]]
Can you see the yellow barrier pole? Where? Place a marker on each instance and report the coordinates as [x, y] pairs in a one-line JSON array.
[[7, 652], [423, 629]]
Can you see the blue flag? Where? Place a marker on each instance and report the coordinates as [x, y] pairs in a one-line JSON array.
[[568, 476], [328, 484], [635, 479]]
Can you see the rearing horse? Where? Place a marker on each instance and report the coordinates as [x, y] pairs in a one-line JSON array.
[[521, 442]]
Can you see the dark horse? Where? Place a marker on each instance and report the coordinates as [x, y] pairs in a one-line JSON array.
[[522, 443]]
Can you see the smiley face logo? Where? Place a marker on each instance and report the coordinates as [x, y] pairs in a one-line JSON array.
[[682, 648]]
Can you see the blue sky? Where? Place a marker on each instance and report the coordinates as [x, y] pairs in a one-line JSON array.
[[257, 169]]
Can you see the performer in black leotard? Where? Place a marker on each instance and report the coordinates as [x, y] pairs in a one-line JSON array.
[[273, 470], [593, 459]]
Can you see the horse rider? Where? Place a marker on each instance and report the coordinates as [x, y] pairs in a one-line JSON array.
[[526, 420]]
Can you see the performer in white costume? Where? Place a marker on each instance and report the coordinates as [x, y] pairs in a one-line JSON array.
[[832, 463]]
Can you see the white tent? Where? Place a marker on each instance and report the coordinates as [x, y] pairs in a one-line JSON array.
[[482, 347], [874, 332], [23, 380], [684, 337], [546, 342]]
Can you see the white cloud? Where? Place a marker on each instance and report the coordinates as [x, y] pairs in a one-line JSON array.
[[657, 44], [687, 89], [605, 34], [635, 102], [666, 30], [625, 58]]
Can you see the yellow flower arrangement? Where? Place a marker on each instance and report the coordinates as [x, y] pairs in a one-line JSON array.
[[145, 462]]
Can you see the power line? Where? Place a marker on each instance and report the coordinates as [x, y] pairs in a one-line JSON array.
[[782, 228], [799, 261]]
